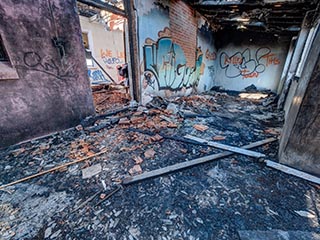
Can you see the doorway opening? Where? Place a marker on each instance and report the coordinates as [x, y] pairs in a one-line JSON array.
[[104, 40]]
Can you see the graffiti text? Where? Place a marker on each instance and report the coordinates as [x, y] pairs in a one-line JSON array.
[[245, 65]]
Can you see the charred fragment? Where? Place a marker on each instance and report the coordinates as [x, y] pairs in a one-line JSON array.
[[270, 16]]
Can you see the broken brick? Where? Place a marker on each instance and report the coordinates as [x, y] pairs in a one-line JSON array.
[[156, 138], [137, 120], [138, 159], [135, 170], [149, 153], [172, 125], [200, 127], [124, 121], [183, 150], [219, 138]]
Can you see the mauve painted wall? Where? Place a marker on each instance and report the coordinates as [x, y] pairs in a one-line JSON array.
[[52, 93]]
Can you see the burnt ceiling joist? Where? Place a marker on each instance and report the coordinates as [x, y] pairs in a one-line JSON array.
[[285, 16], [109, 6]]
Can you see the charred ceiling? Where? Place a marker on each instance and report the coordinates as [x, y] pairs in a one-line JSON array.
[[90, 8], [274, 16]]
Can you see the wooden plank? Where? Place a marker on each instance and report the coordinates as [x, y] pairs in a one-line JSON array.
[[51, 170], [293, 171], [187, 164], [226, 147]]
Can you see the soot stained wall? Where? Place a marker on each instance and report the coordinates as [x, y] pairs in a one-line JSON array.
[[53, 91]]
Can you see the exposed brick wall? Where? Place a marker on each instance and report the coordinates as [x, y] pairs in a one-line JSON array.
[[183, 26]]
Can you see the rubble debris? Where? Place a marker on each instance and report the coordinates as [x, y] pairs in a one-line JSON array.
[[178, 166], [226, 147], [235, 193], [175, 138], [135, 170], [109, 96], [91, 171], [278, 234], [51, 170]]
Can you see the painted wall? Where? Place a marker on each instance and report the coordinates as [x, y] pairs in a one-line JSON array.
[[240, 66], [53, 90], [107, 47], [176, 50], [180, 55]]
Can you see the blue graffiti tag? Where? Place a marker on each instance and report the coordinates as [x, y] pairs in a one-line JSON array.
[[167, 62], [96, 75]]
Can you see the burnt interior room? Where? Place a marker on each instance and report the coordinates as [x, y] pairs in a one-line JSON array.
[[138, 119]]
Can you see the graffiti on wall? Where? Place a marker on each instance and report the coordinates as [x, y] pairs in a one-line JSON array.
[[165, 65], [34, 62], [248, 64], [96, 75], [112, 59]]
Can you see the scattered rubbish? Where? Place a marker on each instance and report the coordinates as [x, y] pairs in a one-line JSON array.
[[91, 171]]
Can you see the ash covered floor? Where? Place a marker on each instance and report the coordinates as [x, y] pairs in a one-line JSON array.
[[236, 197]]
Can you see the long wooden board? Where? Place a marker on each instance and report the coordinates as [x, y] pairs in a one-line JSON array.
[[179, 166], [226, 147], [293, 171]]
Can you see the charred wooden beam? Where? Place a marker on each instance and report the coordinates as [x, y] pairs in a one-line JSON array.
[[104, 6]]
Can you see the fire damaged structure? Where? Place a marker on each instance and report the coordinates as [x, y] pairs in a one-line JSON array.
[[216, 96], [175, 48]]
